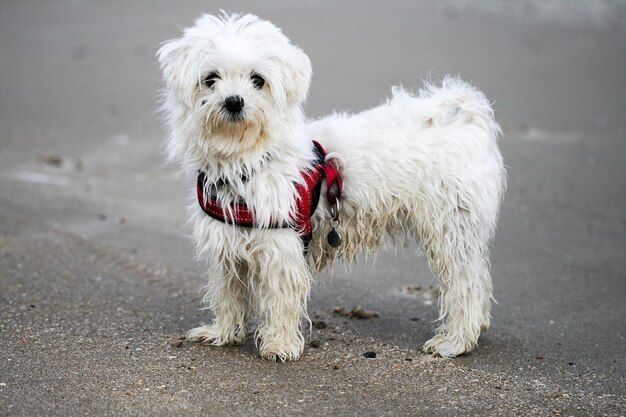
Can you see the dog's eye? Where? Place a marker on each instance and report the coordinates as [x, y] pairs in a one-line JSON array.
[[258, 81], [210, 79]]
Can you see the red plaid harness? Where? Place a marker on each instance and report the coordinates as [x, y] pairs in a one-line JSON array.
[[307, 198]]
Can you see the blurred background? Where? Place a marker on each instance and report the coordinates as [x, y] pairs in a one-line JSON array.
[[81, 160]]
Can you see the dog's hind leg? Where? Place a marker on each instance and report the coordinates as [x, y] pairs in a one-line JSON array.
[[228, 299], [282, 289], [458, 254]]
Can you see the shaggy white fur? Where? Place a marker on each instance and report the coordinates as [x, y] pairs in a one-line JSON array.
[[424, 167]]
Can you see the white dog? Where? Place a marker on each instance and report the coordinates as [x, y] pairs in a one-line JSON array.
[[425, 167]]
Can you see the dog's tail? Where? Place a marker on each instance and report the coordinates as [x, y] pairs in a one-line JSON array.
[[452, 101]]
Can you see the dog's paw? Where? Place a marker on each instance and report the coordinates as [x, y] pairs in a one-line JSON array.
[[447, 346], [216, 335], [282, 352]]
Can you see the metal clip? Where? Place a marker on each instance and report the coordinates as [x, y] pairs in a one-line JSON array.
[[334, 238], [334, 210]]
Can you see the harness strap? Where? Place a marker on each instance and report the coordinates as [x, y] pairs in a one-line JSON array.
[[239, 214], [307, 199]]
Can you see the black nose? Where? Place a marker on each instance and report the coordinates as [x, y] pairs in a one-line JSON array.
[[233, 104]]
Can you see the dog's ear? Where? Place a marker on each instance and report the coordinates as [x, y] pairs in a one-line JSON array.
[[297, 72], [173, 57]]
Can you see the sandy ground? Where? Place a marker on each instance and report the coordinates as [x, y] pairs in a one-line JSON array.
[[97, 280]]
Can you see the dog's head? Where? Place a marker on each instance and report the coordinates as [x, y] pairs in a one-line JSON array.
[[230, 81]]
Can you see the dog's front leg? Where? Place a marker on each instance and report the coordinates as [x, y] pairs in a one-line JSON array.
[[284, 282], [228, 299]]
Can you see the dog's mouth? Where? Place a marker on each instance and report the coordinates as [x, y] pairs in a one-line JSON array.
[[229, 124], [234, 118]]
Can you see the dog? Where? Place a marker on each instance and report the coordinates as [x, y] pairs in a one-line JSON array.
[[422, 166]]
